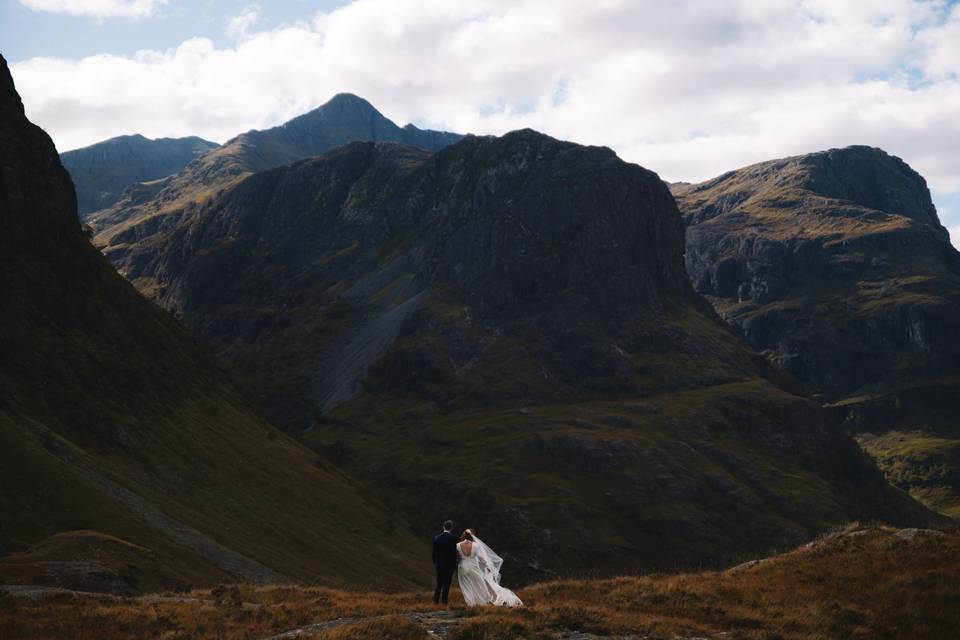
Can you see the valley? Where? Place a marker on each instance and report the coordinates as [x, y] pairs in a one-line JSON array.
[[114, 420], [362, 329]]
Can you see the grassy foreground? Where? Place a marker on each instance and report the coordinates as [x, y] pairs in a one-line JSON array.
[[856, 583]]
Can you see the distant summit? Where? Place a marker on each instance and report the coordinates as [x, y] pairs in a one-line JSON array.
[[860, 175], [871, 178], [344, 118], [102, 171]]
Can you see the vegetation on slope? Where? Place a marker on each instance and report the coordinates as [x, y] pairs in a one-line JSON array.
[[503, 333], [113, 420], [857, 583]]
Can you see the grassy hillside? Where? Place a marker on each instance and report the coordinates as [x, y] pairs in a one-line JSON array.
[[913, 434], [113, 420], [860, 582]]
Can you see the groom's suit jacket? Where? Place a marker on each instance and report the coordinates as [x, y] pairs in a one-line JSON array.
[[445, 550]]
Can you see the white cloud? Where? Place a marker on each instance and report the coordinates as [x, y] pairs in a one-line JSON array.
[[239, 25], [689, 88], [955, 236], [97, 8]]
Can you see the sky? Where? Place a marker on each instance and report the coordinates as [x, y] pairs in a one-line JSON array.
[[687, 88]]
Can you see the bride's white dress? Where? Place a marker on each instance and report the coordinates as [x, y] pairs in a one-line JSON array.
[[479, 577]]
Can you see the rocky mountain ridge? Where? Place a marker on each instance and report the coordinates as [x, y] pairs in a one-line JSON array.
[[343, 119], [835, 265], [506, 326], [773, 232], [103, 171]]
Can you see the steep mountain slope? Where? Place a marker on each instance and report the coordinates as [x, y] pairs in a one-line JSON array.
[[503, 333], [345, 118], [111, 419], [102, 171], [836, 266]]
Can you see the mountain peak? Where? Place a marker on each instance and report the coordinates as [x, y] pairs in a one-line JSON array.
[[344, 118], [342, 106], [102, 171], [37, 211], [9, 98], [872, 178], [867, 177], [348, 98]]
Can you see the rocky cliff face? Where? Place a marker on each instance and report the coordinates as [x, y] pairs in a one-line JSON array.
[[345, 118], [113, 419], [103, 171], [523, 231], [503, 332], [835, 265]]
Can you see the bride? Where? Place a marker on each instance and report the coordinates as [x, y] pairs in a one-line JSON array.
[[479, 574]]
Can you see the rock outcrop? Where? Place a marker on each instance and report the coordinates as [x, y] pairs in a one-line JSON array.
[[103, 171], [834, 264]]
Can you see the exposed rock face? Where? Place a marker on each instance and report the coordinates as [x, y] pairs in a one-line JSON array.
[[112, 418], [524, 230], [103, 171], [835, 265], [505, 329], [345, 118]]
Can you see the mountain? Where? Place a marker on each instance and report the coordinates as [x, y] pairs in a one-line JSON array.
[[345, 118], [129, 461], [101, 172], [836, 266], [503, 332]]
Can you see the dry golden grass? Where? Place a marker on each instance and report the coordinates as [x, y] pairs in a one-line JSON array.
[[393, 627], [858, 583]]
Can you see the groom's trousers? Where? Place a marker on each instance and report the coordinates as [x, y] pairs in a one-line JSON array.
[[444, 578]]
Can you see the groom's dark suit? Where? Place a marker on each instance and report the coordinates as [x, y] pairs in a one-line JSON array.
[[445, 562]]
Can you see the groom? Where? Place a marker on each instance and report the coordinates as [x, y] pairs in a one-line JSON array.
[[444, 561]]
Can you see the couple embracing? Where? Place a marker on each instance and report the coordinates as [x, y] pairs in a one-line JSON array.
[[477, 567]]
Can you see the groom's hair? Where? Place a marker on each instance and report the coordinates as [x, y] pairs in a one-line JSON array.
[[448, 525]]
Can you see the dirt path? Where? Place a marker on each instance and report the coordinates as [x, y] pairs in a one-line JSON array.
[[438, 624], [442, 624]]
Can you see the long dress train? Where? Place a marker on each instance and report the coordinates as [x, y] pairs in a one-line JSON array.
[[479, 577]]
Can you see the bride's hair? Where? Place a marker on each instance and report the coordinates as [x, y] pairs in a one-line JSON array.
[[466, 535]]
